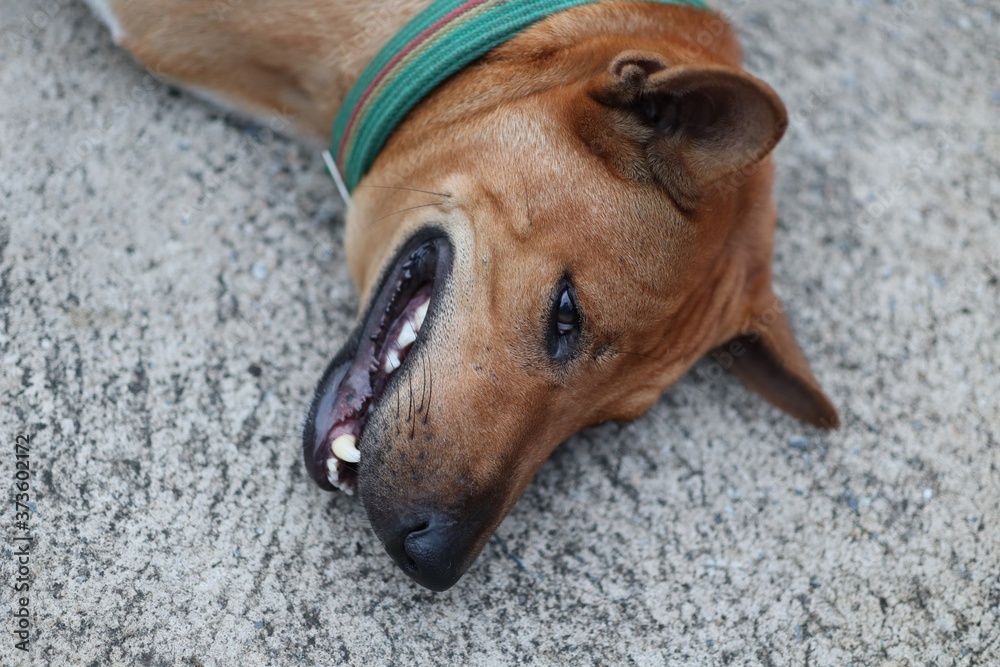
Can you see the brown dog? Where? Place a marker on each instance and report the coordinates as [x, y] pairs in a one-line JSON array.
[[548, 240]]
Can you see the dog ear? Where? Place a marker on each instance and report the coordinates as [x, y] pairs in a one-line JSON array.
[[767, 359], [698, 123]]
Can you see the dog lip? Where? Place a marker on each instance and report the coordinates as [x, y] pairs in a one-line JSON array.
[[354, 383]]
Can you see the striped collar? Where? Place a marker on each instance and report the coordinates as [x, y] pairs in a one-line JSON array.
[[435, 44]]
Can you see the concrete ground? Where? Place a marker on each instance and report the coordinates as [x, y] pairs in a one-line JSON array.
[[172, 283]]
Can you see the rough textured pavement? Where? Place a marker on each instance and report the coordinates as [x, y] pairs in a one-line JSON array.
[[172, 282]]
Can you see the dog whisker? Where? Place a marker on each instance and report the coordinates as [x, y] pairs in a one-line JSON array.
[[397, 187], [413, 414], [430, 395], [423, 384], [404, 210]]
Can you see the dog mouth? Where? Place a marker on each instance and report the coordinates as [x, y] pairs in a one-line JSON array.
[[359, 375]]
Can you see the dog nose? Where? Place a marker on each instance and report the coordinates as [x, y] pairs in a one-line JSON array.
[[432, 551]]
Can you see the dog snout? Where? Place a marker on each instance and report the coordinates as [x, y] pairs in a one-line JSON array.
[[434, 549]]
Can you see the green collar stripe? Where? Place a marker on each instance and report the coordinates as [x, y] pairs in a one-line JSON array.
[[438, 42]]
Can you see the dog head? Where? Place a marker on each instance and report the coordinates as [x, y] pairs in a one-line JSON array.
[[543, 247]]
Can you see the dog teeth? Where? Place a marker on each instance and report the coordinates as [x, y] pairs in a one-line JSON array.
[[420, 314], [345, 449], [333, 476], [404, 339], [392, 362], [406, 336], [334, 479]]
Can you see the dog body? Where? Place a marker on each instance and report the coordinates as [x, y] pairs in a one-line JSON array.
[[547, 241]]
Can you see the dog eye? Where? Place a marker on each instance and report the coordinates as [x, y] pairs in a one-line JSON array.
[[566, 316], [564, 327]]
